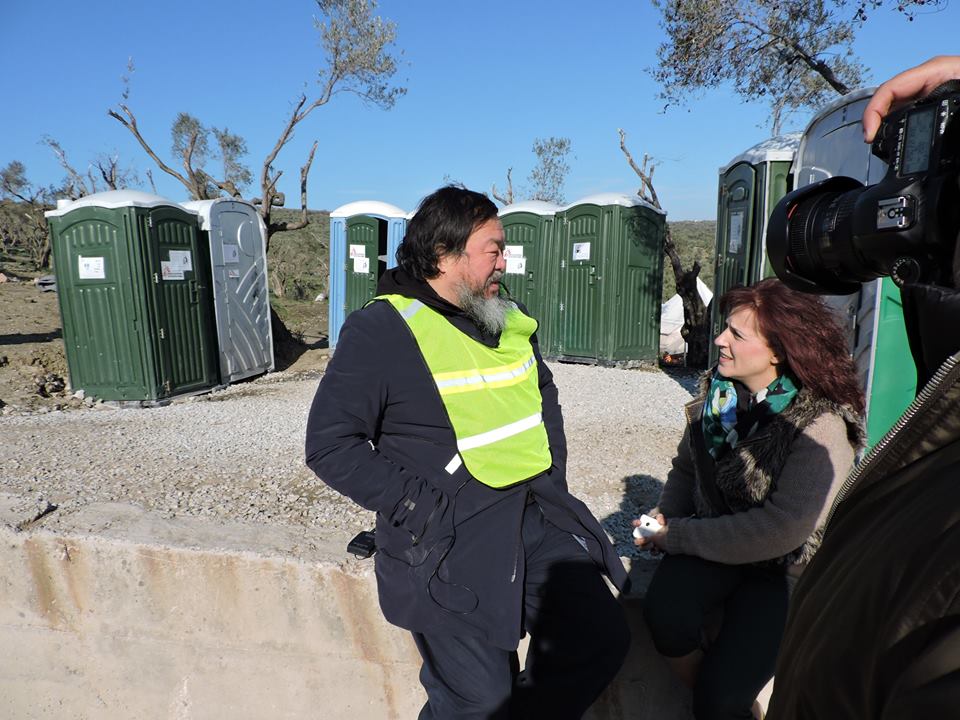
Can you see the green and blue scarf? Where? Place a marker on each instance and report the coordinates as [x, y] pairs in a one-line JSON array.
[[731, 413]]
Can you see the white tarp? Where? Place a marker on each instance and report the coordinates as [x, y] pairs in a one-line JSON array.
[[671, 320]]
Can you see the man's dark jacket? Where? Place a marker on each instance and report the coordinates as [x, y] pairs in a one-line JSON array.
[[874, 623], [449, 554]]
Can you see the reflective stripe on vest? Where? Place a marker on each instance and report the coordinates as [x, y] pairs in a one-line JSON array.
[[491, 395]]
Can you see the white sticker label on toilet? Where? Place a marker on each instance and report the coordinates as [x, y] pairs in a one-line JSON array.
[[581, 251], [361, 265], [169, 271], [182, 260], [516, 265], [91, 268], [735, 232], [358, 251], [231, 254]]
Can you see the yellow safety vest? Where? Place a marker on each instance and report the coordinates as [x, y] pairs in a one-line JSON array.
[[491, 395]]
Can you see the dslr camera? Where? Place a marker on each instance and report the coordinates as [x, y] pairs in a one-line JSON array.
[[831, 236]]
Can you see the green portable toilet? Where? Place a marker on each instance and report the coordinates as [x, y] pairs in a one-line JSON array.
[[134, 287], [750, 187], [891, 374], [370, 234], [608, 255], [528, 229]]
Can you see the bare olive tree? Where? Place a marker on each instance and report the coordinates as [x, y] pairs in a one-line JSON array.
[[792, 54], [547, 177], [359, 59], [23, 223], [507, 196], [104, 173], [550, 173], [696, 319]]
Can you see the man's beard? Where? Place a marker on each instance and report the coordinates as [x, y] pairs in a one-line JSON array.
[[490, 314]]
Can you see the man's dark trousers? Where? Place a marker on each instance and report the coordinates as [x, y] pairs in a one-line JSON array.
[[578, 641]]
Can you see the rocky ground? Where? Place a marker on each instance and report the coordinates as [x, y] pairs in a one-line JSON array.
[[237, 454], [33, 368]]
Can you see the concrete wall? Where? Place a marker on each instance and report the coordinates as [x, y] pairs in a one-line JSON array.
[[113, 613]]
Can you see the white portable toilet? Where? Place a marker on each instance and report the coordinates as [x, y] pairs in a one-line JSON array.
[[238, 259]]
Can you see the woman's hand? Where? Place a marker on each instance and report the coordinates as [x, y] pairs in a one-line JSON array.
[[656, 542]]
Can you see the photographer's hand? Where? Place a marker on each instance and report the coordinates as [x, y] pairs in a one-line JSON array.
[[909, 85]]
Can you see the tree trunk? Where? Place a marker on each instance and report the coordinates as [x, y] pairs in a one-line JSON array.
[[45, 254], [277, 281], [696, 319], [287, 347]]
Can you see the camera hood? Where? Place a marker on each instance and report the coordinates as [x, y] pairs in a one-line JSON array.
[[796, 243]]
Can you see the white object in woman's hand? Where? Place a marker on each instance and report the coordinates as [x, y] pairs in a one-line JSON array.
[[646, 527], [652, 541]]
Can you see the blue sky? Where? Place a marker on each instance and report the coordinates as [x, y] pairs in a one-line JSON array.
[[483, 79]]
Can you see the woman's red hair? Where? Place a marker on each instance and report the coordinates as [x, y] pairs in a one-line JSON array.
[[803, 333]]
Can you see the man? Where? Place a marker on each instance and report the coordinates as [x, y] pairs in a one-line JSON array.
[[874, 624], [438, 413]]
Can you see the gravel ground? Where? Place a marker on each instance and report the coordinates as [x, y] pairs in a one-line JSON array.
[[238, 454]]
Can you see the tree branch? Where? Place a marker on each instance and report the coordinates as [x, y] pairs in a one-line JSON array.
[[507, 197], [267, 187], [229, 187], [647, 191], [78, 184], [800, 53], [304, 217], [822, 69], [130, 123]]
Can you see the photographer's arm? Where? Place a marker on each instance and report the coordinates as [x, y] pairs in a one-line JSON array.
[[909, 85], [929, 685]]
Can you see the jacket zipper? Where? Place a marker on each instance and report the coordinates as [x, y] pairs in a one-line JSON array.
[[945, 375]]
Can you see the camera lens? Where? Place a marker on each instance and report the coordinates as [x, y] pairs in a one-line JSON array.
[[809, 237]]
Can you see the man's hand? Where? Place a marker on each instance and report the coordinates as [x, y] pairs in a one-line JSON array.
[[909, 85]]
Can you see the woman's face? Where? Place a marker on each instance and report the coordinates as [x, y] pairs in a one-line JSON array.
[[744, 353]]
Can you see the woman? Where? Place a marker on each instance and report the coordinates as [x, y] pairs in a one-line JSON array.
[[768, 441]]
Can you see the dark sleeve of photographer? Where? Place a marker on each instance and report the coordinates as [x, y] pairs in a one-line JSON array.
[[930, 686]]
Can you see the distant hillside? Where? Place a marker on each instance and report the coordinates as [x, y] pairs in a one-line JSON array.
[[298, 263], [300, 258], [695, 240]]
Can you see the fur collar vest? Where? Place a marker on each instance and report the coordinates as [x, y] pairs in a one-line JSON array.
[[747, 474]]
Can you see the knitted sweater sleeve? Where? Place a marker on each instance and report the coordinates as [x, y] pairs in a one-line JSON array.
[[676, 498], [819, 460]]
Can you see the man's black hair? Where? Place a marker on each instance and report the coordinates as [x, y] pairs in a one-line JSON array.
[[441, 226]]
